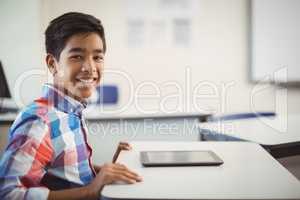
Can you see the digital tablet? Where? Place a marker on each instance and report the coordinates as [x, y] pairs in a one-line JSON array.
[[179, 158]]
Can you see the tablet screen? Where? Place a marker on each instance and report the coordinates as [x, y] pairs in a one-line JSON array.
[[169, 158]]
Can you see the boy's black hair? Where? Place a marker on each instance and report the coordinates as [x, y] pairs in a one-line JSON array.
[[63, 27]]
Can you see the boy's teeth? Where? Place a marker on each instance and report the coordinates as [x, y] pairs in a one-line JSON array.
[[86, 80]]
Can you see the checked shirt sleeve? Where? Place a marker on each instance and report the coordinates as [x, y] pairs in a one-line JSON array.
[[24, 161]]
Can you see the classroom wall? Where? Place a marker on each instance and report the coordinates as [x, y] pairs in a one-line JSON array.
[[214, 67], [218, 60], [21, 47]]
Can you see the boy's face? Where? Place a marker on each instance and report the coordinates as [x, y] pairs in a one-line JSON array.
[[80, 65]]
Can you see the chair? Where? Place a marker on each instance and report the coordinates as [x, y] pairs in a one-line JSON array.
[[106, 94]]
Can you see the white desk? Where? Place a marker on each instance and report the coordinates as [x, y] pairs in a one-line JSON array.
[[280, 133], [10, 117], [7, 117], [104, 112], [263, 130], [107, 130], [104, 135], [248, 172]]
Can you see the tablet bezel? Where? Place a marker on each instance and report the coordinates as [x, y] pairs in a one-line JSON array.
[[147, 163]]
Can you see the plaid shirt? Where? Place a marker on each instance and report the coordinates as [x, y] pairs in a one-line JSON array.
[[47, 149]]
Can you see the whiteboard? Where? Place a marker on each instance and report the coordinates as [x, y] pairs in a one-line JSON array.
[[275, 41]]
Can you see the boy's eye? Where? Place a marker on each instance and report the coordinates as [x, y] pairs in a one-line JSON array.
[[99, 58], [77, 57]]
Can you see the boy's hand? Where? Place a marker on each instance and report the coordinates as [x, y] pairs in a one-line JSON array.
[[122, 146], [110, 173], [97, 168]]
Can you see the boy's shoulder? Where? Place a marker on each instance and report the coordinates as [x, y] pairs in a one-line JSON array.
[[35, 112], [39, 109]]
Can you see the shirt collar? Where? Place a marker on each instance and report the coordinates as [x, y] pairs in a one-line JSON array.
[[62, 101]]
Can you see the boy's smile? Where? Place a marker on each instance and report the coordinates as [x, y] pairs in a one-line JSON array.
[[78, 70]]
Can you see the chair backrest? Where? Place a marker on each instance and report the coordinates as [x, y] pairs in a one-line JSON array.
[[107, 94]]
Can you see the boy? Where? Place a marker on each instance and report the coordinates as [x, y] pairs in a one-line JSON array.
[[48, 156]]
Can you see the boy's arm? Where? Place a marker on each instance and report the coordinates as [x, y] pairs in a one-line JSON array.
[[97, 168], [109, 173], [23, 163], [24, 160]]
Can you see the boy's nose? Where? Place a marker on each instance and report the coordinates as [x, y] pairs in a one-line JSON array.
[[88, 66]]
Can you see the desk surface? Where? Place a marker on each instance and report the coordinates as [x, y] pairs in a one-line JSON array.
[[99, 113], [10, 117], [7, 117], [264, 130], [248, 172]]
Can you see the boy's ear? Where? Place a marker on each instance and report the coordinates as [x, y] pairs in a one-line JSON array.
[[51, 63]]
